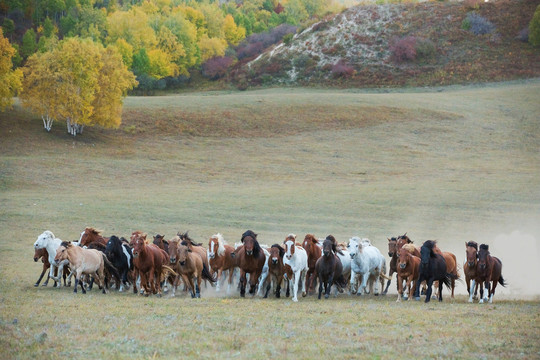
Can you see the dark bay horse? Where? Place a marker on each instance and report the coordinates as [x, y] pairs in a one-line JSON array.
[[160, 241], [329, 268], [490, 272], [251, 259], [432, 268], [314, 252], [470, 269], [392, 252]]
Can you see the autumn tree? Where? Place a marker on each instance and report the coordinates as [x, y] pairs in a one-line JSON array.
[[80, 82], [10, 80]]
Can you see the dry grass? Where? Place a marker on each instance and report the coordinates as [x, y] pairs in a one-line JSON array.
[[456, 165]]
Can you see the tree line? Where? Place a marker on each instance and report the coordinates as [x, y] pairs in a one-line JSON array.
[[75, 60]]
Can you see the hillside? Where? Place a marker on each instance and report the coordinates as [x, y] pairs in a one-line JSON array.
[[354, 48]]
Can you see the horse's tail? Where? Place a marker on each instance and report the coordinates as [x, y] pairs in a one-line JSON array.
[[341, 282], [109, 267], [383, 275], [166, 270], [502, 281], [447, 281], [206, 274]]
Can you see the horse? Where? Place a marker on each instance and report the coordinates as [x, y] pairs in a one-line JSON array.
[[328, 269], [367, 264], [149, 261], [120, 255], [160, 241], [314, 252], [251, 260], [195, 247], [408, 268], [343, 254], [296, 258], [403, 240], [188, 265], [90, 235], [489, 270], [83, 261], [48, 241], [276, 272], [44, 256], [392, 252], [220, 259], [470, 269], [432, 268]]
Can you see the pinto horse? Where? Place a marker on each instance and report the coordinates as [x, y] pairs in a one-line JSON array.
[[297, 259], [251, 260], [220, 259], [408, 268], [119, 254], [83, 261], [328, 269], [189, 265], [91, 235], [470, 269], [432, 268], [490, 272], [149, 261], [314, 252]]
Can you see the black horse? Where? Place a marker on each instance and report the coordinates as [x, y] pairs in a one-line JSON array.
[[329, 269], [432, 268], [119, 254]]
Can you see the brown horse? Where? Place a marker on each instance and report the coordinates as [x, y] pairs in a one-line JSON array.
[[407, 269], [470, 269], [276, 271], [83, 261], [251, 259], [329, 269], [44, 256], [314, 252], [404, 239], [188, 265], [392, 252], [160, 241], [90, 235], [148, 260], [489, 271], [221, 260], [197, 248]]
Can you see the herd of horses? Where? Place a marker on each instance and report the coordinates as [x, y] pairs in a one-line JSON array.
[[152, 267]]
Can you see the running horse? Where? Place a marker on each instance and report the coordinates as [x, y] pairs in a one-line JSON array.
[[393, 253], [148, 261], [160, 241], [470, 269], [220, 259], [432, 268], [251, 259], [91, 235], [490, 272], [314, 252], [297, 259]]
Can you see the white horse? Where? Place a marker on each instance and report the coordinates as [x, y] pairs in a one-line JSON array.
[[296, 257], [367, 263], [50, 242]]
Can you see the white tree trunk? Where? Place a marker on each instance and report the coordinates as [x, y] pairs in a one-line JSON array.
[[73, 128], [47, 122]]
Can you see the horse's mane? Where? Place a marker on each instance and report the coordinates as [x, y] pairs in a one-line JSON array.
[[473, 244], [248, 233], [66, 244], [221, 243], [430, 244], [334, 242], [94, 230], [281, 250], [484, 247], [256, 247], [185, 237], [392, 238], [405, 237], [311, 238]]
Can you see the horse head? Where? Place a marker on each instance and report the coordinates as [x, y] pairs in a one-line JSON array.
[[354, 246], [328, 247], [251, 245], [403, 258], [426, 252], [62, 252], [43, 239], [89, 235], [483, 254], [290, 244], [472, 253], [139, 245], [276, 253], [183, 252], [392, 246]]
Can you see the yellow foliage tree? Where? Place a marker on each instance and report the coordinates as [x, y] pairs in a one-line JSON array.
[[233, 33], [79, 81], [132, 26], [10, 80], [211, 47], [161, 64]]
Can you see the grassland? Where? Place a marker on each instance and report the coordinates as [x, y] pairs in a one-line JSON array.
[[454, 164]]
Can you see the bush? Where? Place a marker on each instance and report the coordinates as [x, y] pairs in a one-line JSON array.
[[256, 43], [342, 70], [523, 35], [477, 24], [216, 67], [403, 49], [425, 50], [534, 28]]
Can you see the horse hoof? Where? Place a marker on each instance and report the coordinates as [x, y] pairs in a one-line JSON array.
[[326, 296], [36, 284], [295, 299], [417, 298], [470, 300], [304, 294], [376, 294]]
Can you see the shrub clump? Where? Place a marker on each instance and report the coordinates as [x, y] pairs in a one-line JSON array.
[[342, 70], [216, 67], [477, 24], [412, 48], [534, 28]]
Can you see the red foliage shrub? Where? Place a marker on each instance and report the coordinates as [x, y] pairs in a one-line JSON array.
[[403, 49], [342, 70], [216, 67]]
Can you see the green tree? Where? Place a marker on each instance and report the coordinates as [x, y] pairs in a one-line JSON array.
[[29, 44], [534, 28], [10, 80]]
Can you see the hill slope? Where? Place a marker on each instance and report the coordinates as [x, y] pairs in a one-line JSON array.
[[354, 48]]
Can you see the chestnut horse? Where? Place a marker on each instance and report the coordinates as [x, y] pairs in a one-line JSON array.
[[220, 259], [44, 256], [83, 261], [251, 259], [149, 261], [276, 271], [90, 235], [314, 252], [490, 272], [470, 269], [393, 253], [160, 241], [188, 265], [408, 268]]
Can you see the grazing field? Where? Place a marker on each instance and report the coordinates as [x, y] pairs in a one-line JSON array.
[[452, 164]]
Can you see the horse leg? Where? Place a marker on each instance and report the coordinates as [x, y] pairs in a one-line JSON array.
[[440, 290], [429, 290], [218, 279], [492, 291], [329, 287], [388, 283], [295, 280], [302, 278], [487, 291], [400, 289], [411, 283], [417, 288], [41, 276], [471, 288], [242, 283], [320, 287], [198, 285]]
